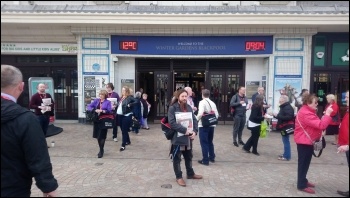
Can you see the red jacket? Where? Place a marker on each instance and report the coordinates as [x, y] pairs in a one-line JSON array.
[[344, 130], [335, 114], [312, 125]]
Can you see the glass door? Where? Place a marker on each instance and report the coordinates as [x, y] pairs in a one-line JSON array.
[[66, 92], [342, 85], [223, 85], [163, 93]]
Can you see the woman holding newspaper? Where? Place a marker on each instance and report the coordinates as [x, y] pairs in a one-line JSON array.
[[184, 122]]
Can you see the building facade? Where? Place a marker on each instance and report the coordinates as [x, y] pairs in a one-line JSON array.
[[162, 46]]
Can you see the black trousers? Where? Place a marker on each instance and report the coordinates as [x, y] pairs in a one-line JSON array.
[[177, 159], [304, 160], [253, 140]]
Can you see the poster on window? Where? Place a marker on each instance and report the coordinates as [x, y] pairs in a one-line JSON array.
[[89, 89], [290, 87]]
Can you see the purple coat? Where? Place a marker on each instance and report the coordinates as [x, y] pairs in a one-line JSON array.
[[114, 95], [106, 105]]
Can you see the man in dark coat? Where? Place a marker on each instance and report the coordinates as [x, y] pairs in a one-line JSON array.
[[24, 152]]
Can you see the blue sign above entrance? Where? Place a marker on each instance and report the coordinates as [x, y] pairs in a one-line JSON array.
[[192, 45]]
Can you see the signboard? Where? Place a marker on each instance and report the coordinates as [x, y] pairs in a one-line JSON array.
[[192, 45], [251, 88], [39, 48], [127, 82], [290, 87]]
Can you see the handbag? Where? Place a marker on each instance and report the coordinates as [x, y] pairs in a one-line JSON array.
[[209, 119], [91, 116], [287, 130], [263, 129], [168, 132], [106, 122], [318, 145], [135, 123]]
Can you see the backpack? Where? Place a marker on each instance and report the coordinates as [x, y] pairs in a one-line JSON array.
[[168, 132], [232, 109]]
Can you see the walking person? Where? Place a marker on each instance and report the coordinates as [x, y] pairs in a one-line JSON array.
[[182, 144], [254, 122], [239, 102], [24, 152], [145, 109], [124, 111], [343, 140], [104, 109], [333, 127], [206, 134], [42, 111], [113, 94], [308, 128], [285, 119]]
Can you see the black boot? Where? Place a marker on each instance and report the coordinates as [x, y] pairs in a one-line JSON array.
[[100, 154]]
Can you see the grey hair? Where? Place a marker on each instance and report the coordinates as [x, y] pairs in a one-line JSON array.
[[285, 98], [10, 76], [138, 94]]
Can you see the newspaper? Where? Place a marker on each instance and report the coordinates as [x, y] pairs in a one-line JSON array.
[[185, 119]]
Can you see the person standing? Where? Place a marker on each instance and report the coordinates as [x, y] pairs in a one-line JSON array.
[[104, 109], [43, 112], [285, 119], [124, 111], [261, 91], [333, 127], [239, 102], [182, 144], [299, 99], [136, 110], [206, 134], [24, 152], [343, 140], [190, 99], [254, 122], [145, 111], [308, 128], [113, 94]]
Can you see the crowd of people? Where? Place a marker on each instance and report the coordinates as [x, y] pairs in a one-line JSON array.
[[27, 157]]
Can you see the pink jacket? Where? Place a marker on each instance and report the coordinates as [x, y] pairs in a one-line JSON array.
[[312, 125]]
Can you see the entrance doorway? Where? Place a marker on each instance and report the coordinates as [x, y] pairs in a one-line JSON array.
[[324, 83]]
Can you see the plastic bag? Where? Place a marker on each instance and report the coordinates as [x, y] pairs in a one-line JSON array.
[[263, 129]]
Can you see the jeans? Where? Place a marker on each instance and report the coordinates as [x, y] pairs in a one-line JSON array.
[[253, 140], [304, 160], [125, 123], [206, 135], [44, 122], [177, 159], [287, 153], [238, 127]]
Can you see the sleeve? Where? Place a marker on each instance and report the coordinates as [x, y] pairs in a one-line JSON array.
[[314, 122], [335, 110], [254, 97], [200, 110], [234, 102], [36, 153], [107, 106], [195, 123], [33, 102], [92, 105]]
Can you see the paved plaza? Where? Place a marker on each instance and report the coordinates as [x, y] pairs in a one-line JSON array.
[[144, 168]]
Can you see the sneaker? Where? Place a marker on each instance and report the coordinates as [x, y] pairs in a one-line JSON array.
[[308, 190], [115, 139]]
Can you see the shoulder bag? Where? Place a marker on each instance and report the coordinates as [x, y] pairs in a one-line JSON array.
[[209, 119]]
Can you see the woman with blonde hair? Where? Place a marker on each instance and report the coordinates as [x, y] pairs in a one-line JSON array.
[[125, 113], [333, 127]]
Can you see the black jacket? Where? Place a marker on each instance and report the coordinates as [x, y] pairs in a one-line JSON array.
[[130, 100], [256, 115], [182, 140], [145, 108], [285, 115], [24, 152]]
